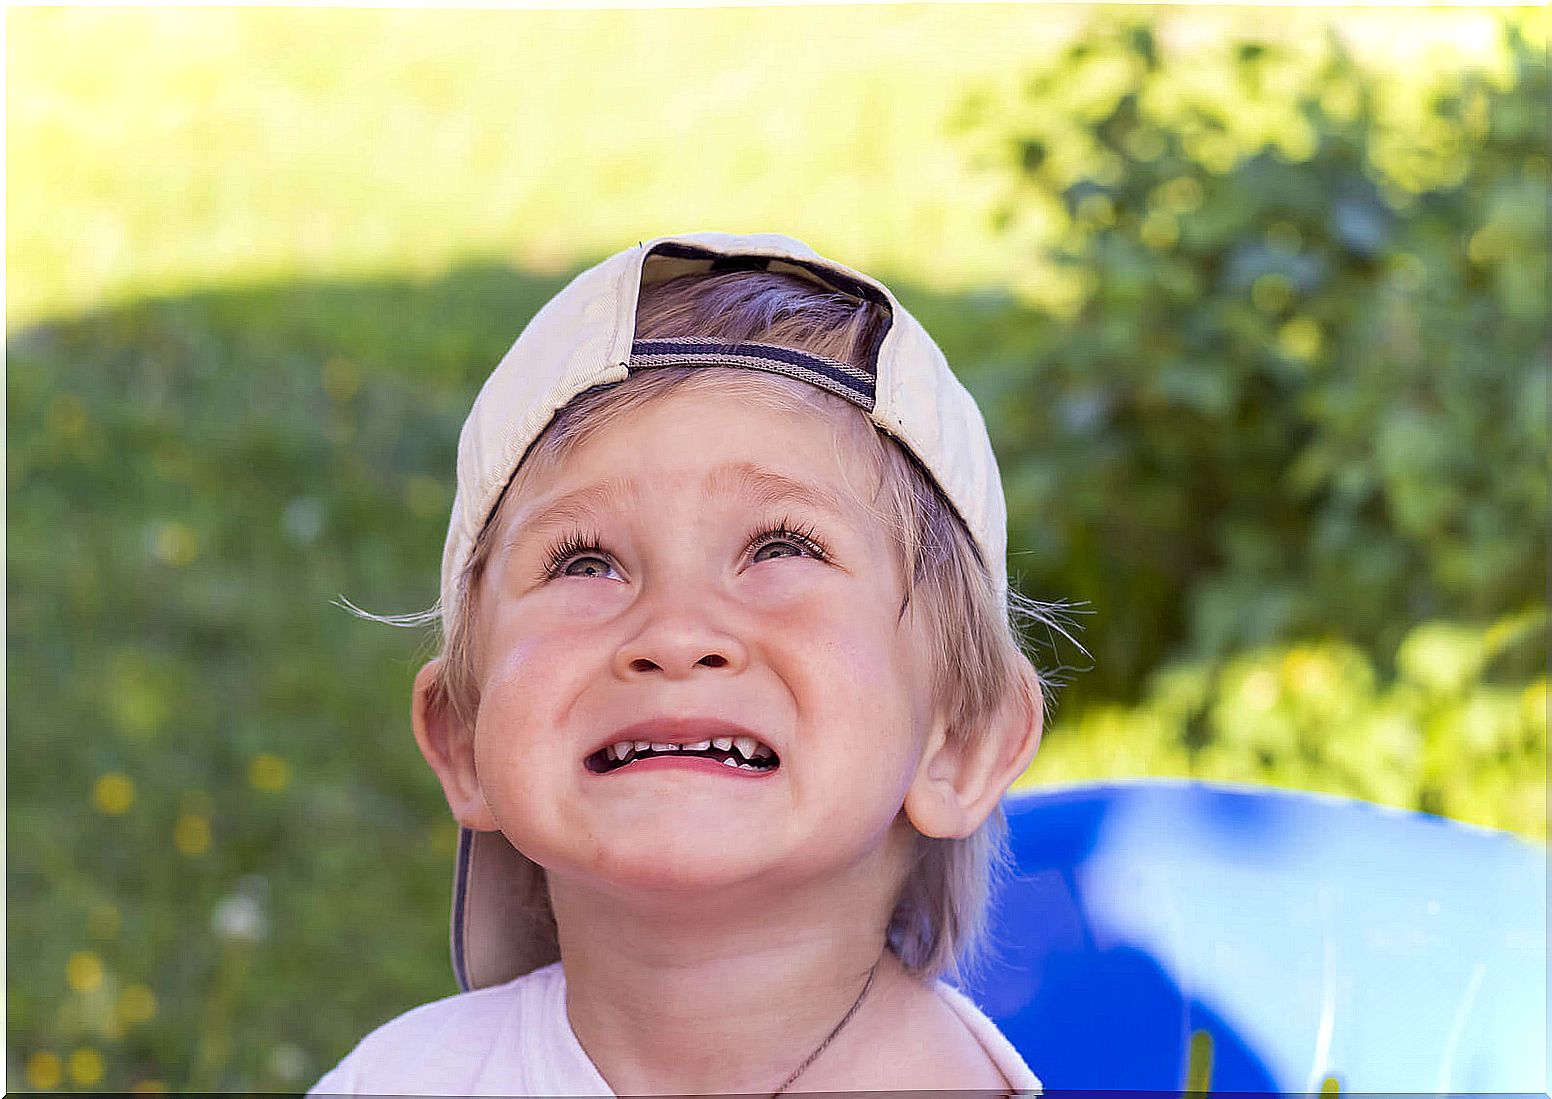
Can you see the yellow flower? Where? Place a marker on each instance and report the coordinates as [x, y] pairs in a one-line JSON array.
[[176, 544], [1300, 338], [86, 1066], [269, 773], [83, 971], [192, 834], [137, 1004], [44, 1070], [113, 793]]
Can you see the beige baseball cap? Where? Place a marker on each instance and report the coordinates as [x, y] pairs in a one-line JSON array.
[[585, 337]]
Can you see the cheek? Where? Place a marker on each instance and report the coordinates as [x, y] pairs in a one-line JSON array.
[[524, 695], [834, 637], [861, 638], [517, 754], [863, 679], [522, 649]]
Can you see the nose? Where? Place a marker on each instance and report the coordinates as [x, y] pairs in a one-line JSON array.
[[678, 637]]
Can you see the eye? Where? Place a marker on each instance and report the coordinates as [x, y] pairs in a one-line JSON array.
[[593, 567], [574, 550], [784, 537]]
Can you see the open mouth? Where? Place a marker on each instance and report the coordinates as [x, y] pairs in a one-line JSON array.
[[740, 753]]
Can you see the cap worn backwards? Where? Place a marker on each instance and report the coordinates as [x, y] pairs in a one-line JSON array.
[[585, 337]]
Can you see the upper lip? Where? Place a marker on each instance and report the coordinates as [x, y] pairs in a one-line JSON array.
[[680, 730]]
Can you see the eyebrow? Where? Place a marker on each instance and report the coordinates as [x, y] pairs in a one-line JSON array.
[[744, 480]]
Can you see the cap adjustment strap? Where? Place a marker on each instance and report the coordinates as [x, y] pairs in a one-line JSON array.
[[844, 380]]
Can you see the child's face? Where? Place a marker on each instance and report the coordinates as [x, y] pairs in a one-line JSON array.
[[687, 609]]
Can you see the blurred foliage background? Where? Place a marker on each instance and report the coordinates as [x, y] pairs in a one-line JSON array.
[[1254, 302]]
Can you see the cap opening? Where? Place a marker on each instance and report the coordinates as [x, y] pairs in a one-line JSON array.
[[671, 259]]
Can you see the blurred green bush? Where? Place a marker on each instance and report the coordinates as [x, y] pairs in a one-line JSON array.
[[1298, 396], [1280, 421], [1295, 407], [1443, 734]]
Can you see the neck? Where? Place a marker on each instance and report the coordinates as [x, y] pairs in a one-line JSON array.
[[698, 996]]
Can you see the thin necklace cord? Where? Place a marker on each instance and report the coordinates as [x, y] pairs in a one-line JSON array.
[[831, 1037]]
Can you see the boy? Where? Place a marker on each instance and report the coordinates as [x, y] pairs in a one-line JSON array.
[[729, 693]]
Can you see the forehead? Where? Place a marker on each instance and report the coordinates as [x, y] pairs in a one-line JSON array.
[[715, 445]]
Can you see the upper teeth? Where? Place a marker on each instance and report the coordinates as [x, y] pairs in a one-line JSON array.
[[747, 746]]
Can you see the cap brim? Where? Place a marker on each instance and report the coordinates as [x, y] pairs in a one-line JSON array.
[[501, 928]]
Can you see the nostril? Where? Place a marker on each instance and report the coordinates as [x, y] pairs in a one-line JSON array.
[[710, 660]]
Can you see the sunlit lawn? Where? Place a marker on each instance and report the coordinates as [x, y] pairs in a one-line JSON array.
[[159, 151]]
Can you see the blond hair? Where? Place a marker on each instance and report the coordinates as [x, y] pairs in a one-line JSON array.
[[938, 928]]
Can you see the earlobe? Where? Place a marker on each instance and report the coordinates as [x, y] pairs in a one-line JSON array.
[[960, 781], [449, 749], [933, 802]]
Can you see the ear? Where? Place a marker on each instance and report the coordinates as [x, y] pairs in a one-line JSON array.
[[449, 748], [958, 784]]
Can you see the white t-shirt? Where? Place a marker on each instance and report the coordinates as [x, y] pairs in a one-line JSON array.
[[515, 1039]]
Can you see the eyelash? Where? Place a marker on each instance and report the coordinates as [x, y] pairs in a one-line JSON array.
[[577, 544]]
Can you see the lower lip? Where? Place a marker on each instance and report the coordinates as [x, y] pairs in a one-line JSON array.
[[691, 763]]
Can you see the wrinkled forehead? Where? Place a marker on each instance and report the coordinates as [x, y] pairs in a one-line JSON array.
[[857, 443]]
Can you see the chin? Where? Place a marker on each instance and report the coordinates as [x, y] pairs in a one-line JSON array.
[[667, 880]]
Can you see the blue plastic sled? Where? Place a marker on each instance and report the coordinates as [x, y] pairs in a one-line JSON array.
[[1273, 940]]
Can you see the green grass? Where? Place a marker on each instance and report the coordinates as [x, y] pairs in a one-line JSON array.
[[155, 153]]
